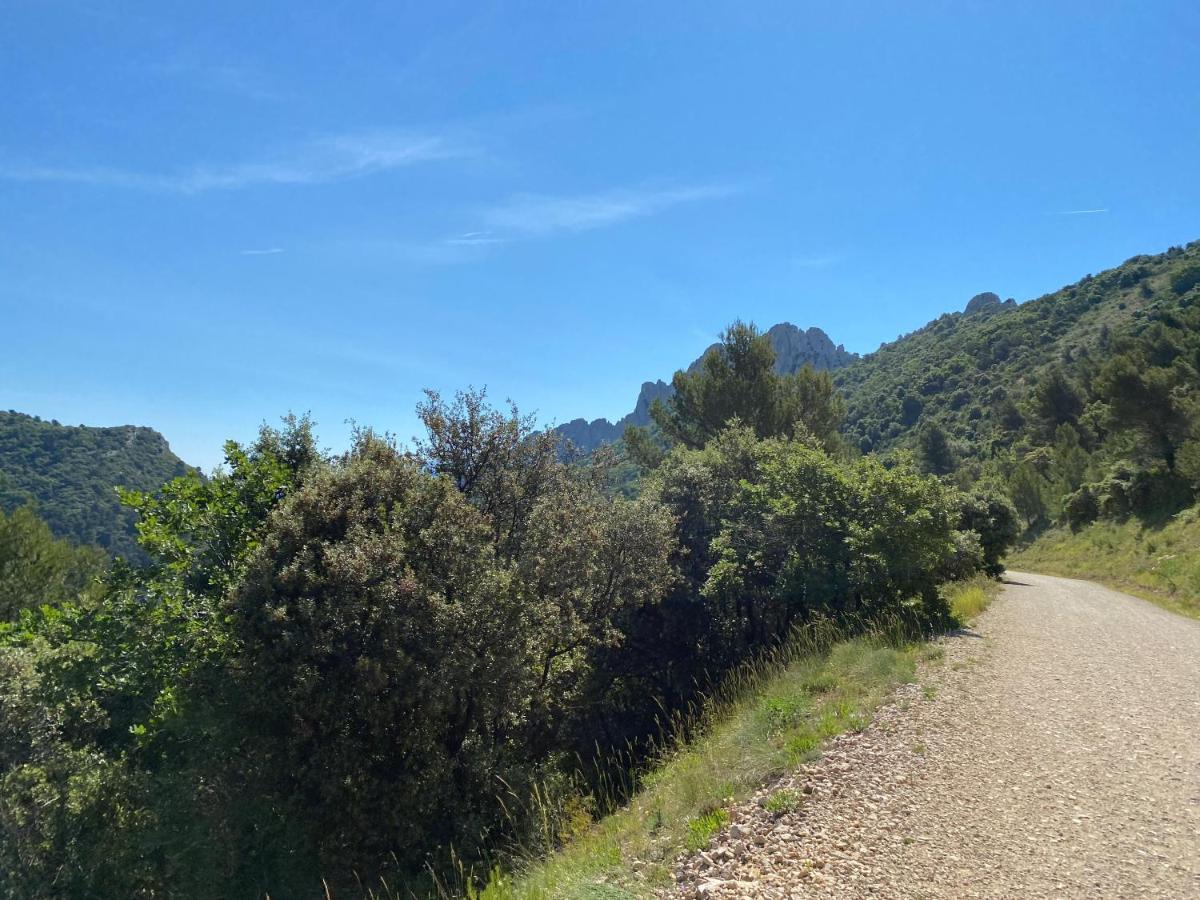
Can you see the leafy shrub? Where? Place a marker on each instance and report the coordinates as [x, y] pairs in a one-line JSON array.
[[1185, 278], [993, 519], [1082, 507]]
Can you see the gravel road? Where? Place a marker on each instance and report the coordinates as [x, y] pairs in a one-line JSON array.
[[1054, 751]]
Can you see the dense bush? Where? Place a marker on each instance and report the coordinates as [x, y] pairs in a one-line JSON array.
[[1082, 507], [408, 652], [991, 516]]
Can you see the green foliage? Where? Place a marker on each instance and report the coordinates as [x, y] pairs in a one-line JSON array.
[[784, 801], [444, 621], [703, 828], [36, 568], [1185, 278], [737, 380], [1055, 401], [1028, 489], [70, 475], [1081, 507], [933, 449], [124, 771], [363, 666], [328, 666], [991, 516]]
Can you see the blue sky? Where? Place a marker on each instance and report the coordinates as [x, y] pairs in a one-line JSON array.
[[211, 214]]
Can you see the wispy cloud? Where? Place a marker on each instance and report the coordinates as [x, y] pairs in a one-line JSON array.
[[475, 239], [1080, 212], [540, 214], [333, 158], [267, 251], [816, 262], [529, 216]]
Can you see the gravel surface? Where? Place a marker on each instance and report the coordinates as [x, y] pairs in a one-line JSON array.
[[1054, 751]]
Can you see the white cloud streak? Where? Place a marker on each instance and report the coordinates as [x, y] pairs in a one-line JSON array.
[[542, 214], [1081, 212], [268, 251], [334, 158], [816, 262]]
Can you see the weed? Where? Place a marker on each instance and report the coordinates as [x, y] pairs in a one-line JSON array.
[[784, 801], [780, 713], [804, 747], [704, 827]]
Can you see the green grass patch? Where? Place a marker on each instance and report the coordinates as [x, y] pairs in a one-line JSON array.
[[776, 717], [968, 599], [704, 828], [1158, 564]]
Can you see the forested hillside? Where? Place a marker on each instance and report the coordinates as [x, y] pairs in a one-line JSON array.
[[1092, 388], [71, 473]]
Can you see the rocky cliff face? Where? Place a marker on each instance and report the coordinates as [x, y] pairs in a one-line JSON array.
[[588, 436], [794, 348]]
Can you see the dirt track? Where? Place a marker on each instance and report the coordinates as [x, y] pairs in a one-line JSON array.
[[1053, 752]]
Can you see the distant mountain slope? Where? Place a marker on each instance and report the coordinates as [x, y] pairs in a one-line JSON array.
[[71, 474], [972, 373], [794, 348]]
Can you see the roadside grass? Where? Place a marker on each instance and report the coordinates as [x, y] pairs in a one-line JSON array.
[[1160, 564], [770, 720], [968, 599]]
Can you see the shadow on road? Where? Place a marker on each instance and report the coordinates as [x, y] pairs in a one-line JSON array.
[[964, 632]]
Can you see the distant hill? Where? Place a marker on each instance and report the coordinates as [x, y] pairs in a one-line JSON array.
[[71, 473], [794, 348], [973, 373]]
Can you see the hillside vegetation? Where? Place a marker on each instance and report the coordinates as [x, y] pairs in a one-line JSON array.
[[71, 475], [396, 662], [975, 374], [1081, 405]]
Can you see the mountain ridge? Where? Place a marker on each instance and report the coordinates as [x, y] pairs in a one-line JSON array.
[[70, 474]]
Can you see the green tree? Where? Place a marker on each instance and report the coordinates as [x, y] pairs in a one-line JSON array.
[[737, 380], [1056, 401], [936, 454], [1148, 401], [37, 568], [1028, 491]]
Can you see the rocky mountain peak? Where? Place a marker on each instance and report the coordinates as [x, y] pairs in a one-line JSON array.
[[986, 300]]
